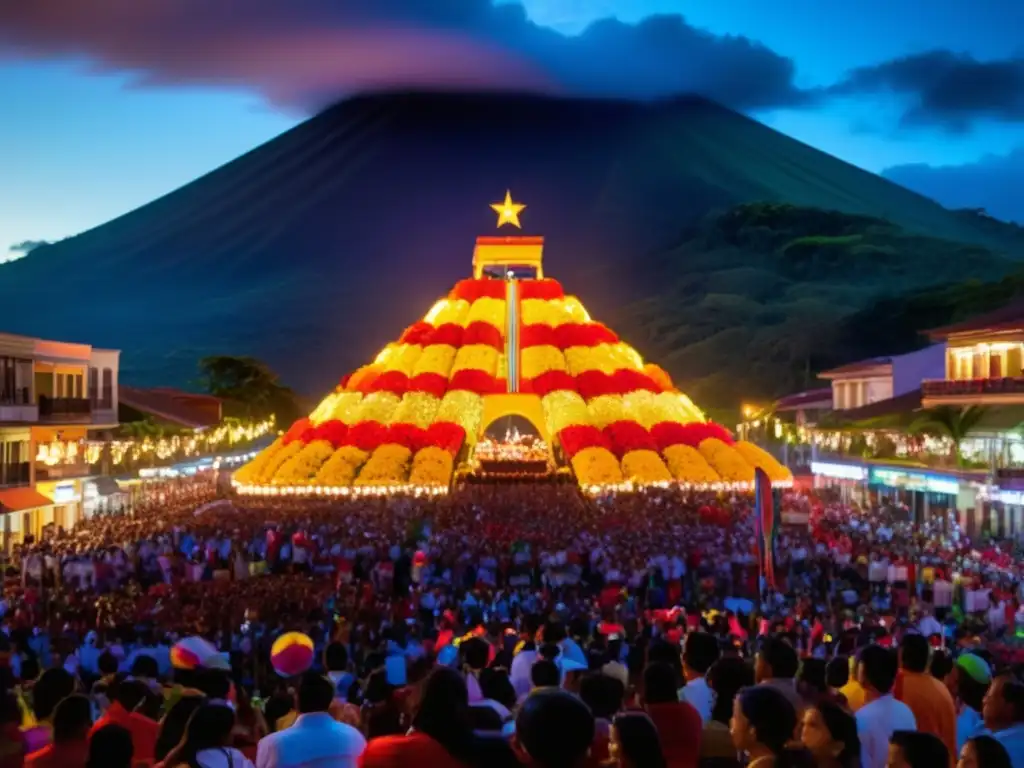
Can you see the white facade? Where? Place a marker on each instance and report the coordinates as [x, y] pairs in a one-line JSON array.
[[857, 392]]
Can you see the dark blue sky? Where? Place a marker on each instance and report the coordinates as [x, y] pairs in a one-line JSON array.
[[115, 102]]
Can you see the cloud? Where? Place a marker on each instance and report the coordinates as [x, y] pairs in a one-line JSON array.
[[305, 53], [27, 246], [995, 183], [945, 89]]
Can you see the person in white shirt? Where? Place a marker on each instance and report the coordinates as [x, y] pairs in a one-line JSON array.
[[316, 740], [882, 714], [699, 653]]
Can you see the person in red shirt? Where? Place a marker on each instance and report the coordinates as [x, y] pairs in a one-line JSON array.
[[679, 724], [128, 695], [70, 747]]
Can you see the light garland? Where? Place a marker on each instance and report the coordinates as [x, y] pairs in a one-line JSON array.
[[406, 489]]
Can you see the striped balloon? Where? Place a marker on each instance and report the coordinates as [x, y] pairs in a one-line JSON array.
[[192, 653], [291, 654]]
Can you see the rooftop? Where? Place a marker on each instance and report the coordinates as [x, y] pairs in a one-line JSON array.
[[861, 366], [1008, 318], [186, 409]]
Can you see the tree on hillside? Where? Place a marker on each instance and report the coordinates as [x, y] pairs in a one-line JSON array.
[[251, 385], [951, 422]]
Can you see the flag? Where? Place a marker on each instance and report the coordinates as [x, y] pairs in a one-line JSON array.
[[766, 521]]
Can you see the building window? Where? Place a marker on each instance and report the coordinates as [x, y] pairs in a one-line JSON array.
[[94, 386], [107, 400], [15, 381]]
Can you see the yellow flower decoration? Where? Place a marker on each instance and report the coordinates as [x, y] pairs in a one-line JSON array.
[[404, 358], [596, 466], [541, 312], [322, 412], [502, 370], [417, 408], [341, 468], [538, 360], [564, 409], [378, 406], [346, 407], [726, 461], [645, 467], [274, 463], [625, 356], [756, 456], [478, 357], [248, 473], [573, 311], [386, 354], [388, 465], [688, 466], [463, 408], [642, 406], [487, 310], [675, 406], [605, 410], [436, 358], [450, 311], [431, 466], [599, 358], [301, 468]]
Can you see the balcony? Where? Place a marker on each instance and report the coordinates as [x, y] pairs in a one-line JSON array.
[[968, 391], [15, 474], [61, 471], [64, 409]]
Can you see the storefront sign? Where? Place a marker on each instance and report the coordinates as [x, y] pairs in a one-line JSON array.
[[913, 481], [840, 471], [65, 493], [1013, 498]]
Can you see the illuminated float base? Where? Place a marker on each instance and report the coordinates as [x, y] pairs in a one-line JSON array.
[[507, 377]]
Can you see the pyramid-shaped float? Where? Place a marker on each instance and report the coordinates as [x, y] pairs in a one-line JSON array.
[[506, 343]]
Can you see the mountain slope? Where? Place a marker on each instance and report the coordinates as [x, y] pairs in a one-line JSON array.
[[312, 249]]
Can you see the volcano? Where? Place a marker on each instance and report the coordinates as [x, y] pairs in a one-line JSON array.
[[307, 250]]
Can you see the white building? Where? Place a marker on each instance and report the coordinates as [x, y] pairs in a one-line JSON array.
[[883, 378], [52, 394]]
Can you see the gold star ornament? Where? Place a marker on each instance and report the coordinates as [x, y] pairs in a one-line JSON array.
[[508, 211]]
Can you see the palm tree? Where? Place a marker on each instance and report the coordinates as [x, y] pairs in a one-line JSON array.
[[951, 422]]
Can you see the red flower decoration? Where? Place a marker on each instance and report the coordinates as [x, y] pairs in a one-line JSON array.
[[417, 333], [473, 289], [669, 433], [391, 381], [548, 382], [577, 437], [593, 384], [446, 435], [536, 335], [449, 333], [434, 383], [296, 430], [546, 289], [367, 435], [584, 335], [343, 384], [696, 432], [626, 436], [333, 431], [479, 332], [473, 380], [626, 380], [409, 435]]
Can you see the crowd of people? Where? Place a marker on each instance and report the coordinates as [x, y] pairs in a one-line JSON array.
[[517, 624]]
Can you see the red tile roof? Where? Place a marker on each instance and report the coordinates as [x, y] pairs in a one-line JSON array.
[[821, 398], [185, 408], [20, 499], [1008, 318]]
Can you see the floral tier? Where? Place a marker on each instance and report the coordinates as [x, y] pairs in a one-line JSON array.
[[400, 423]]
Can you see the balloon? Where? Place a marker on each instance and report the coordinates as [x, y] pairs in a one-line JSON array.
[[291, 654], [192, 653]]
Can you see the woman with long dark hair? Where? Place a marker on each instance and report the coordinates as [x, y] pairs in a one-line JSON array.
[[207, 742], [441, 733], [830, 734], [763, 722], [984, 752]]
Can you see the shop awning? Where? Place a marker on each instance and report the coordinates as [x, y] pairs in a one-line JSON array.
[[107, 486], [21, 499]]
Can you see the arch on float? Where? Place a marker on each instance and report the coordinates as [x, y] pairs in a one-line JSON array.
[[525, 406]]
